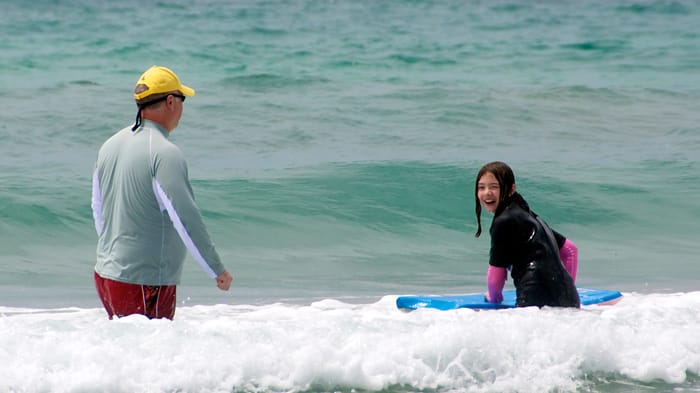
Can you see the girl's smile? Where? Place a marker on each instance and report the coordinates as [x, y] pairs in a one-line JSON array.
[[489, 192]]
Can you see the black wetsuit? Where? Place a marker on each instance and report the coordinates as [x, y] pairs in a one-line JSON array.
[[522, 240]]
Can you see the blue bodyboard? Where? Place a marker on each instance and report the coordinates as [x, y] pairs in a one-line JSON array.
[[588, 296]]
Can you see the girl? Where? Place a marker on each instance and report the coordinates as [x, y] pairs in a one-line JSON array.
[[543, 263]]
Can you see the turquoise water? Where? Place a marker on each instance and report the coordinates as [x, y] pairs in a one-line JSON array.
[[332, 148]]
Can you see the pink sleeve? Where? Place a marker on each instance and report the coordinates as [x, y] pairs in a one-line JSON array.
[[495, 280], [569, 257]]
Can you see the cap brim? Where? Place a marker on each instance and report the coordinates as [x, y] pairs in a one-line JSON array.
[[188, 91]]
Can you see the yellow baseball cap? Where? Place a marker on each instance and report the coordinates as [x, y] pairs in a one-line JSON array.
[[159, 80]]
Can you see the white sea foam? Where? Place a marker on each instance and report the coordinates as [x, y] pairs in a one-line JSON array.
[[331, 345]]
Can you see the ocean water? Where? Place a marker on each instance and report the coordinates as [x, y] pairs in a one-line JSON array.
[[332, 148]]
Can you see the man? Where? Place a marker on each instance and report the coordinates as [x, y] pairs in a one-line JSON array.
[[144, 209]]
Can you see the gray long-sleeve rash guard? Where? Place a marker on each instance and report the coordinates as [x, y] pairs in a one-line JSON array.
[[144, 210]]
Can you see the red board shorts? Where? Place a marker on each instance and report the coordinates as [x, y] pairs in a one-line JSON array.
[[121, 298]]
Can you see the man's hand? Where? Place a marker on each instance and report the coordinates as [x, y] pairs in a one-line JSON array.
[[223, 280]]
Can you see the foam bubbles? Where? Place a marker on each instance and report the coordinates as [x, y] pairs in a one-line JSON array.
[[333, 345]]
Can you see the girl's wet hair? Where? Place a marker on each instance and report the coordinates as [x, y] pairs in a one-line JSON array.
[[506, 179]]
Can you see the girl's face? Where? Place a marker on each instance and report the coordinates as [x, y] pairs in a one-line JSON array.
[[489, 192]]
